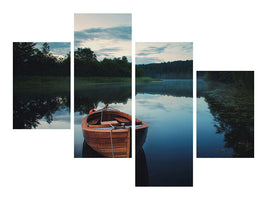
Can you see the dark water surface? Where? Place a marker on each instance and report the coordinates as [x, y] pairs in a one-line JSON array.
[[166, 158], [41, 110], [117, 95], [225, 122]]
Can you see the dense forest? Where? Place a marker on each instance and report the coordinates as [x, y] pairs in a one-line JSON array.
[[86, 64], [240, 78], [28, 60], [169, 70]]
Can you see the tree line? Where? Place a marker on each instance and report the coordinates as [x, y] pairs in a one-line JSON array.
[[240, 78], [28, 60], [175, 69], [86, 64]]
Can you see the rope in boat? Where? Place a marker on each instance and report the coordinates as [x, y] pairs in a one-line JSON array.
[[111, 140], [101, 116]]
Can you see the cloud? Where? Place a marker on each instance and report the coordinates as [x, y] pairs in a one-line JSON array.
[[120, 33], [59, 45], [108, 42], [77, 42], [145, 60], [151, 105], [109, 50], [188, 47], [156, 52], [152, 50]]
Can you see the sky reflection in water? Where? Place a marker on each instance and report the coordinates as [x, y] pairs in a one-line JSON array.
[[168, 147]]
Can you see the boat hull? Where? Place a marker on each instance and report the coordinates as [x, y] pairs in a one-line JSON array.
[[140, 137], [116, 144], [111, 142]]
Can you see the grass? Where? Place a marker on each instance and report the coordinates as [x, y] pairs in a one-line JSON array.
[[102, 79], [51, 84], [38, 84], [146, 79], [87, 82], [234, 100]]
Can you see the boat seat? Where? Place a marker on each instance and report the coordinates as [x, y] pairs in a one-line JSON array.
[[122, 120], [114, 123]]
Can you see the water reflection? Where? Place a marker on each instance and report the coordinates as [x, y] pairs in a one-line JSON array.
[[166, 156], [232, 110], [108, 93], [170, 87], [30, 110], [141, 169], [88, 152], [117, 95]]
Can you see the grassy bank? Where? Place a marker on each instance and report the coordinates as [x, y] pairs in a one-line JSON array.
[[232, 99], [87, 82], [233, 110], [40, 84], [146, 79], [51, 84], [101, 79]]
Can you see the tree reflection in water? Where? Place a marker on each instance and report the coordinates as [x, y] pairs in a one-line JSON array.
[[233, 112], [87, 99], [28, 111]]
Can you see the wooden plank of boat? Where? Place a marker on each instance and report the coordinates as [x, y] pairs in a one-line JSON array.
[[114, 123], [100, 141], [94, 121], [122, 120]]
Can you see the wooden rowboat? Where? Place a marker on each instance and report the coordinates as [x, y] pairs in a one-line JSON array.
[[108, 131]]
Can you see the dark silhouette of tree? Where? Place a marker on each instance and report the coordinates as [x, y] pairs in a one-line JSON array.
[[30, 61], [85, 53], [124, 59], [22, 55], [86, 65], [239, 78], [176, 69], [139, 72], [45, 49]]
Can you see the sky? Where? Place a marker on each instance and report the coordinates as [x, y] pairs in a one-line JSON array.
[[157, 52], [108, 35], [59, 49]]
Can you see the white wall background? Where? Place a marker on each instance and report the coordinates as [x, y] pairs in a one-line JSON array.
[[39, 164]]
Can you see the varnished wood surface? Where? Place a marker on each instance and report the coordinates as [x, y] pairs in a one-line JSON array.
[[100, 140]]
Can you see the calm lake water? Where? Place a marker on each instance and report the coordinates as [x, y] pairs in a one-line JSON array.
[[117, 95], [41, 111], [223, 131], [166, 158], [209, 144]]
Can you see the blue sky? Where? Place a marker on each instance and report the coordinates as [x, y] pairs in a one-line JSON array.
[[156, 52], [108, 35], [60, 49]]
